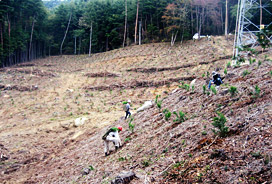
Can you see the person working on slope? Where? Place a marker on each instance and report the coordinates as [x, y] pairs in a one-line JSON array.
[[112, 135], [216, 79], [127, 107]]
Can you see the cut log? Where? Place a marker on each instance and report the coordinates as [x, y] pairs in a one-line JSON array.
[[124, 177]]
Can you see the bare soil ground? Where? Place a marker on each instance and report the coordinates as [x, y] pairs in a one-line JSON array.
[[40, 101]]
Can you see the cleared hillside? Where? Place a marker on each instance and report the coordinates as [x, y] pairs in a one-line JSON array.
[[41, 100]]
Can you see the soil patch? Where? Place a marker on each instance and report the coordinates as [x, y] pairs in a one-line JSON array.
[[101, 74], [37, 72], [140, 84], [18, 87]]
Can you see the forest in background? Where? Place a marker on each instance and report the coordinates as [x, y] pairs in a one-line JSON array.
[[30, 29]]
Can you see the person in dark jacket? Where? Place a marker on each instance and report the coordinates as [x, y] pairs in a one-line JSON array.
[[128, 114], [112, 135], [216, 79]]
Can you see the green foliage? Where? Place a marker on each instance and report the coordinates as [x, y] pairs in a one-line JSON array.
[[204, 89], [158, 102], [120, 159], [245, 72], [167, 114], [229, 64], [256, 154], [213, 90], [130, 125], [186, 86], [145, 163], [270, 73], [127, 139], [225, 71], [251, 61], [193, 88], [180, 117], [263, 38], [219, 123], [91, 167], [233, 90], [257, 92], [259, 63]]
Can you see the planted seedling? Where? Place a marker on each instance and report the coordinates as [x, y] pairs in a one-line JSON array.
[[233, 90], [180, 117], [219, 123]]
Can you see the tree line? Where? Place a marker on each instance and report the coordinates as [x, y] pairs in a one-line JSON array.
[[31, 29]]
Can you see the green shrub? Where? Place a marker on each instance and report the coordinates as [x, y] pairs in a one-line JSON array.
[[233, 90], [225, 71], [146, 163], [228, 64], [127, 139], [186, 86], [251, 61], [257, 92], [167, 114], [246, 72], [193, 88], [158, 102], [120, 159], [204, 89], [270, 72], [213, 90], [219, 123], [180, 117], [262, 38], [157, 97], [130, 125], [259, 63]]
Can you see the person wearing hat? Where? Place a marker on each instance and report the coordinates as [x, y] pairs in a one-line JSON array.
[[216, 79], [112, 135], [128, 114]]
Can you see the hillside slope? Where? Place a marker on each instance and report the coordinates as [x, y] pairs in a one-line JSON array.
[[43, 147]]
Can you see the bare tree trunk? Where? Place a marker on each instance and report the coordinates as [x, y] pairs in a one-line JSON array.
[[197, 21], [261, 13], [79, 46], [1, 34], [136, 23], [75, 46], [91, 33], [226, 21], [202, 18], [125, 30], [107, 43], [173, 38], [192, 19], [65, 34], [222, 20], [9, 38], [140, 32], [128, 35]]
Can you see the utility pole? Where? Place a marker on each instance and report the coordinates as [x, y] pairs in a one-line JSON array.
[[246, 28]]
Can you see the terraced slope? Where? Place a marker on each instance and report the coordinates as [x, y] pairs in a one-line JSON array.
[[41, 100]]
